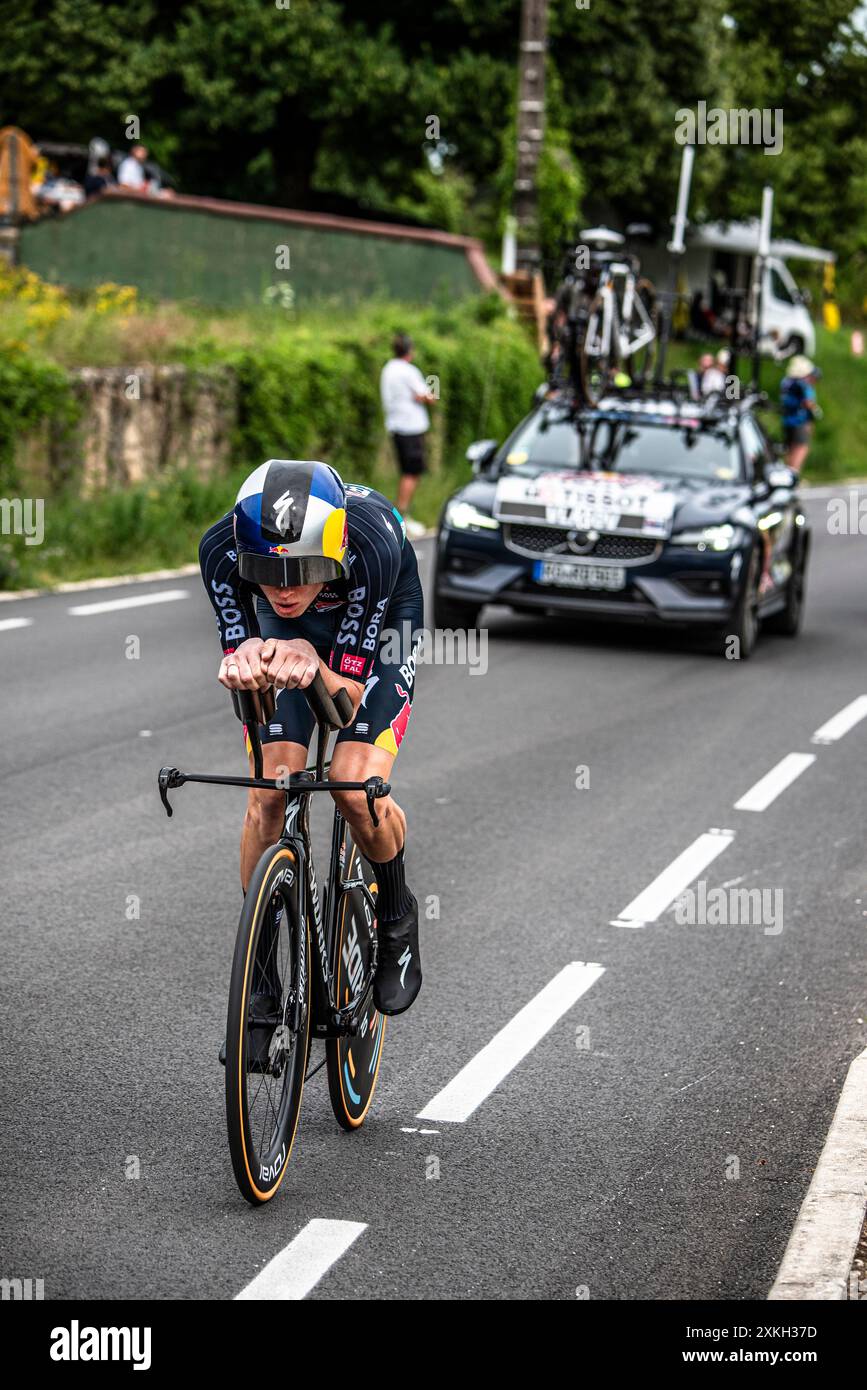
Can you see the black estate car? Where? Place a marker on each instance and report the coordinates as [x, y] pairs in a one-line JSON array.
[[647, 509]]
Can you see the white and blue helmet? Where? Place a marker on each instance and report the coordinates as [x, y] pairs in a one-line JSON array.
[[290, 524]]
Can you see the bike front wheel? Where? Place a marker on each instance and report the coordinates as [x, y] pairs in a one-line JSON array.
[[267, 1027]]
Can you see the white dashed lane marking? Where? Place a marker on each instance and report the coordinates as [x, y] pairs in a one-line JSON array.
[[299, 1267], [112, 605], [7, 624], [842, 722], [768, 788], [661, 893], [475, 1082]]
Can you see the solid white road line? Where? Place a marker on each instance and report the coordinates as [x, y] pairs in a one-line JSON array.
[[112, 581], [79, 586], [768, 788], [298, 1268], [475, 1082], [822, 1245], [8, 623], [842, 722], [86, 610], [661, 893], [808, 494]]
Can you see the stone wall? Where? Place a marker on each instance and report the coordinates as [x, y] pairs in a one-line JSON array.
[[136, 422]]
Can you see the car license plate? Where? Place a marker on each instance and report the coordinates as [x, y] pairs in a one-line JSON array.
[[569, 576]]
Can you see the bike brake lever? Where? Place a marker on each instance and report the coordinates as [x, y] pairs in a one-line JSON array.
[[169, 777], [375, 787]]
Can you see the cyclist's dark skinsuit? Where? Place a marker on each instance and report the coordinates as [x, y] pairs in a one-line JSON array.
[[345, 623]]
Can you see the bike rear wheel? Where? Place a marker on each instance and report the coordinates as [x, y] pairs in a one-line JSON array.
[[267, 1027], [353, 1062]]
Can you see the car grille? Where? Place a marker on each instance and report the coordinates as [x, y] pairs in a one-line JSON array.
[[551, 540]]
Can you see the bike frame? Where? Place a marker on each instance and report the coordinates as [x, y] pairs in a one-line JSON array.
[[617, 312], [328, 1020]]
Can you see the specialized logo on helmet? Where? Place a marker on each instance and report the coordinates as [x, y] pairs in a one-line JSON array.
[[283, 505]]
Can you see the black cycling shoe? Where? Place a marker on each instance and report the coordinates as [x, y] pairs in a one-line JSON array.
[[262, 1006], [398, 972]]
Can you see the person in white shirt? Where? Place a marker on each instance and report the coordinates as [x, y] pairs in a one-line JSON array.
[[405, 397], [131, 173], [713, 378]]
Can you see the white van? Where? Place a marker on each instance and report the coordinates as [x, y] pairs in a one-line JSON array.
[[719, 258], [786, 325]]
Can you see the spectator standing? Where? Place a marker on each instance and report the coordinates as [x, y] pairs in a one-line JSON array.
[[405, 397], [799, 407]]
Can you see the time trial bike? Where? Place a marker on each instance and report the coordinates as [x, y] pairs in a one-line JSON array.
[[302, 968]]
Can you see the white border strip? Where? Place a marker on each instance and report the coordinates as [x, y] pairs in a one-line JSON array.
[[768, 788], [112, 605], [299, 1267], [821, 1248], [81, 586], [841, 722], [668, 885], [483, 1074], [112, 581]]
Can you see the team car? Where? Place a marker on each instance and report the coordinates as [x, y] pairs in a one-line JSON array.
[[657, 509]]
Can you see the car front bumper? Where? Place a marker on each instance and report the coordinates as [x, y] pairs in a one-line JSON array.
[[678, 585]]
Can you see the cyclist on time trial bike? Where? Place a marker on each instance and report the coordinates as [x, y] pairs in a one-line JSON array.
[[307, 575]]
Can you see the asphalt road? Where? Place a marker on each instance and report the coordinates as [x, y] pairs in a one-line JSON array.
[[657, 1135]]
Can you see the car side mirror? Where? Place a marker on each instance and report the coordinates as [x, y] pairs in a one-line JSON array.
[[779, 474], [481, 452]]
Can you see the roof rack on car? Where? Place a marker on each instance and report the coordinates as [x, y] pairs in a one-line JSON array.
[[674, 399]]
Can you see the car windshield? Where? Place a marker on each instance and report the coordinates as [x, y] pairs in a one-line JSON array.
[[621, 446]]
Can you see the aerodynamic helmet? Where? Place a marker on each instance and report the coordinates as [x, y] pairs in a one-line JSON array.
[[290, 524]]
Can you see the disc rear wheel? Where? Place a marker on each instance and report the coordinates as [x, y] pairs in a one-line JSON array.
[[353, 1061]]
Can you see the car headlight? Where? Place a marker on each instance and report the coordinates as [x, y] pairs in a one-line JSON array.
[[720, 538], [463, 516]]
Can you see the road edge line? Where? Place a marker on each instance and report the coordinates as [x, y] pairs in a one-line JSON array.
[[825, 1236], [80, 586]]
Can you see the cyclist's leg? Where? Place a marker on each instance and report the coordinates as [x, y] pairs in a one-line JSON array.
[[368, 748], [355, 761], [285, 741], [284, 750]]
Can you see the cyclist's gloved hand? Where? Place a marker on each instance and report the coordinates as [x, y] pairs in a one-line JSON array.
[[292, 663], [243, 669]]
